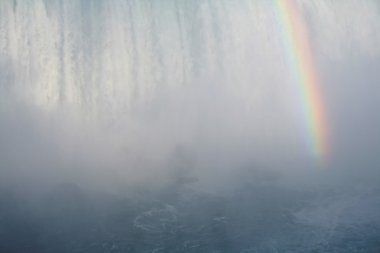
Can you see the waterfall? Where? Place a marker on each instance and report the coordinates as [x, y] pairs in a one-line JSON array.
[[109, 56], [211, 73]]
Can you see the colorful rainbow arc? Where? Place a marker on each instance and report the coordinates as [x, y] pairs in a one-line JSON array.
[[299, 52]]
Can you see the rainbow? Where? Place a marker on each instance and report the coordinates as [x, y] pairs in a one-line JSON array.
[[300, 55]]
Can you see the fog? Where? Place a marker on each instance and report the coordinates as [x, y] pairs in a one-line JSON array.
[[180, 126]]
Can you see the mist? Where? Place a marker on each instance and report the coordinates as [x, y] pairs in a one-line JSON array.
[[179, 126]]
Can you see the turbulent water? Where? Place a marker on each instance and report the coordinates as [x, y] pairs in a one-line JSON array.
[[103, 57], [177, 126]]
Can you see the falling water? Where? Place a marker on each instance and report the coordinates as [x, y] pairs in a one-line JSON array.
[[204, 73], [105, 57], [148, 96]]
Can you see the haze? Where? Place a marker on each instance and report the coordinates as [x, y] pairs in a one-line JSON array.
[[130, 126]]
